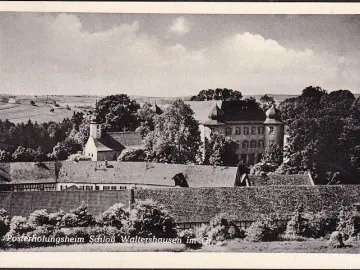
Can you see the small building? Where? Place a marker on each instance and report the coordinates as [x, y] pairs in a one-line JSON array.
[[103, 145]]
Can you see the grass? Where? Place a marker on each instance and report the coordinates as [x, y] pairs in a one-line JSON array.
[[116, 247], [309, 246]]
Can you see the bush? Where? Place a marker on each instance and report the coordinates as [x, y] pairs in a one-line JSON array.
[[262, 230], [18, 227], [115, 216], [132, 155], [309, 225], [4, 224], [348, 224], [56, 219], [220, 228], [189, 239], [79, 217], [262, 168], [149, 219], [38, 218]]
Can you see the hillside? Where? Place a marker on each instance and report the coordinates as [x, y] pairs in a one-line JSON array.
[[17, 109]]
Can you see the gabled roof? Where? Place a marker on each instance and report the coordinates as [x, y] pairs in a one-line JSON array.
[[146, 173], [117, 141], [29, 172], [280, 180], [128, 138]]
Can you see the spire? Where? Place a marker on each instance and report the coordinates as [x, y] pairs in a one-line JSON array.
[[273, 115]]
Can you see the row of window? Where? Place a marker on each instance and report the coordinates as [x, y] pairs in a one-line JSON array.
[[252, 144], [34, 187], [85, 187], [246, 131]]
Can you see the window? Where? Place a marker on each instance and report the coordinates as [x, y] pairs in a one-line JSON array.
[[97, 188], [253, 130], [237, 131], [245, 144], [81, 187], [259, 157], [261, 130], [261, 144], [253, 144], [113, 187], [228, 131], [246, 131], [89, 188], [124, 187], [106, 187], [243, 158], [271, 130]]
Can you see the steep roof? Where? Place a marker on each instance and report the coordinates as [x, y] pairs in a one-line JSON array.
[[237, 110], [195, 204], [146, 173], [273, 115], [127, 138], [29, 172], [250, 203], [201, 109], [280, 180]]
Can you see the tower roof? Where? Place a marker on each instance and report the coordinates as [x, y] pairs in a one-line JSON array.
[[273, 115], [157, 109]]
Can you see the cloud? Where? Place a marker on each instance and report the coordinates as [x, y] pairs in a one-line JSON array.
[[180, 26], [61, 57]]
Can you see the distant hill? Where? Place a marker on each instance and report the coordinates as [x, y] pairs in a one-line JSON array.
[[17, 108]]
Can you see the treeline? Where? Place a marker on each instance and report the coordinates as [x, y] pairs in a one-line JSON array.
[[38, 142], [324, 135]]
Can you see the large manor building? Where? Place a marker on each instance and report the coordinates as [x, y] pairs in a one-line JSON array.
[[253, 129]]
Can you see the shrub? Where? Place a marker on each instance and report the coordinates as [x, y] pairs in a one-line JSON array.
[[220, 228], [4, 224], [40, 231], [115, 216], [79, 217], [56, 219], [309, 225], [4, 156], [78, 233], [262, 168], [347, 225], [148, 219], [261, 230], [132, 155], [18, 227], [38, 218], [189, 239]]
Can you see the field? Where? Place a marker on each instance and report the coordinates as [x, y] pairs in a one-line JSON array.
[[310, 246]]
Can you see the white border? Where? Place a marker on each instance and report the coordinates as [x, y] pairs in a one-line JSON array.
[[195, 259], [185, 8]]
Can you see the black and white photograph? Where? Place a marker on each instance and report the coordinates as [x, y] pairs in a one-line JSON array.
[[179, 132]]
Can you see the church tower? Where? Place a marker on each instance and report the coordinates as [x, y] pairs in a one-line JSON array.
[[95, 127], [274, 128]]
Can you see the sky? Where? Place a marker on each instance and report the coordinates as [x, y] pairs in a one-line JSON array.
[[176, 54]]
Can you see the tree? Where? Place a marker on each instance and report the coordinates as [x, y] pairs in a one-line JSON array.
[[217, 94], [266, 102], [4, 156], [176, 136], [118, 113], [24, 154], [146, 117], [115, 216], [324, 135], [273, 153], [221, 151]]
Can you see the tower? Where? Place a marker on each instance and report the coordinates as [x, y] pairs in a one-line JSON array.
[[274, 128], [95, 127]]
